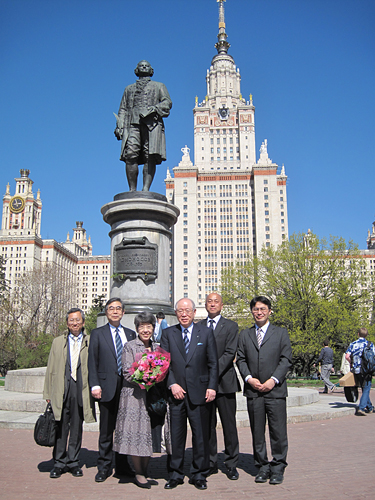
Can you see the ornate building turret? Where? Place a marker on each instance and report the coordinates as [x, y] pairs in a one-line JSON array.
[[21, 212]]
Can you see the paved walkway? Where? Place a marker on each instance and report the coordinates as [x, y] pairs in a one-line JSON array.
[[331, 458]]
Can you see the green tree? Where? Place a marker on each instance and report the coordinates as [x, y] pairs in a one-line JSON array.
[[92, 316], [318, 290]]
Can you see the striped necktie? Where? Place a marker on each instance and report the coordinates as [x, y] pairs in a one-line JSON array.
[[119, 347], [259, 336], [186, 340], [74, 355]]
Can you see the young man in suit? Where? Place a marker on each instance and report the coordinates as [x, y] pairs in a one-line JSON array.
[[264, 356], [66, 387], [192, 380], [105, 378], [226, 338]]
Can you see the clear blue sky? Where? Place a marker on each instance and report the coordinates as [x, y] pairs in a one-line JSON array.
[[309, 64]]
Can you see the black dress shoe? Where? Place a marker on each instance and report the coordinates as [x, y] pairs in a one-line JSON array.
[[262, 476], [56, 472], [213, 470], [146, 485], [232, 473], [200, 484], [76, 471], [102, 475], [173, 483], [276, 478]]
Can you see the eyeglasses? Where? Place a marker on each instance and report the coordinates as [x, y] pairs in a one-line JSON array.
[[186, 311], [260, 309], [113, 308]]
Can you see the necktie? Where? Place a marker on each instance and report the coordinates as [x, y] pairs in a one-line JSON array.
[[212, 322], [259, 336], [119, 351], [74, 359], [186, 340]]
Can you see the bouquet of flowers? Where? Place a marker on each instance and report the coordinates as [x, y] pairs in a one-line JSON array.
[[149, 368]]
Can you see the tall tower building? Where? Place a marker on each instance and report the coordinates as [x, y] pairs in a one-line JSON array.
[[231, 205]]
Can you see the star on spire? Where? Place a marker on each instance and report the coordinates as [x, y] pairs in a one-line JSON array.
[[222, 45]]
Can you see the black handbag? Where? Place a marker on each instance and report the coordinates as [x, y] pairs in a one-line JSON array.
[[155, 400], [45, 428]]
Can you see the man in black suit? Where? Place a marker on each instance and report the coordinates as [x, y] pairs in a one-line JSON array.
[[226, 338], [192, 380], [66, 387], [264, 357], [105, 378]]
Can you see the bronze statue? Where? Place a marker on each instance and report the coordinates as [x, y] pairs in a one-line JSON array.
[[140, 126]]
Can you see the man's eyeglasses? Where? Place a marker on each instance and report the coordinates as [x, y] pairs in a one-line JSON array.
[[114, 308]]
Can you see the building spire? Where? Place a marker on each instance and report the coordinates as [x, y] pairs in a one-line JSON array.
[[222, 45]]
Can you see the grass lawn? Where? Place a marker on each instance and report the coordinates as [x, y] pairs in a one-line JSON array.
[[300, 382]]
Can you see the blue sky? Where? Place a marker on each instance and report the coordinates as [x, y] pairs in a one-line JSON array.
[[309, 64]]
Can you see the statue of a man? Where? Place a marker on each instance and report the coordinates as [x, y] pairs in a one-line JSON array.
[[140, 126]]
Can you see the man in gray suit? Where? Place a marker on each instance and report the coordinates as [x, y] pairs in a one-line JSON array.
[[226, 338], [264, 357]]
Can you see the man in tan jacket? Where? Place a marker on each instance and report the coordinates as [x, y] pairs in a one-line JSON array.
[[66, 387]]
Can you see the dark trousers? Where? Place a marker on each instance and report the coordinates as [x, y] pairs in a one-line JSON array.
[[199, 419], [107, 424], [70, 424], [275, 410], [226, 405]]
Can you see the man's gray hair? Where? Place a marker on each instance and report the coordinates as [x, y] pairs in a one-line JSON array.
[[185, 298], [75, 310]]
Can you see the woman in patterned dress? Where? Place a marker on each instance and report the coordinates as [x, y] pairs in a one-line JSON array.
[[133, 426]]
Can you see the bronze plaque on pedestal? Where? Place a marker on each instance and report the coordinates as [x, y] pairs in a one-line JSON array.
[[135, 258]]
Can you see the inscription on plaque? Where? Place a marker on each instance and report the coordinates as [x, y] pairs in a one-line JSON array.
[[135, 258]]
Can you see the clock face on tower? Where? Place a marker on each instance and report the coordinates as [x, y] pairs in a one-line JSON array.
[[17, 204]]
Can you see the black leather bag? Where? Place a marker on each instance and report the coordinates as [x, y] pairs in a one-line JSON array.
[[155, 400], [45, 428]]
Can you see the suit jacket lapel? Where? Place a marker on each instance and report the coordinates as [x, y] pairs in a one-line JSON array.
[[253, 336], [178, 339], [108, 338], [268, 334], [195, 337], [219, 327]]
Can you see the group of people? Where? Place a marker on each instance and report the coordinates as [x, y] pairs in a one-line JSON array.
[[201, 379]]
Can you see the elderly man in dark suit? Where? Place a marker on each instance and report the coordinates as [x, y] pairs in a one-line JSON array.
[[66, 387], [226, 338], [264, 357], [192, 380], [105, 378]]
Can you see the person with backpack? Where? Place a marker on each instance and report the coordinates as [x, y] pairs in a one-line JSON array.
[[361, 355]]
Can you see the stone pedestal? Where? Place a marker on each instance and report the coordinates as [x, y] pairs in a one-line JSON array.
[[141, 257]]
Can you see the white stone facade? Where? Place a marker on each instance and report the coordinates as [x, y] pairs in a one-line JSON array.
[[84, 275], [230, 204]]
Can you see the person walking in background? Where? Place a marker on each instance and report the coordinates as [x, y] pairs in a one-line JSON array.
[[161, 324], [326, 361], [354, 356], [66, 386]]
